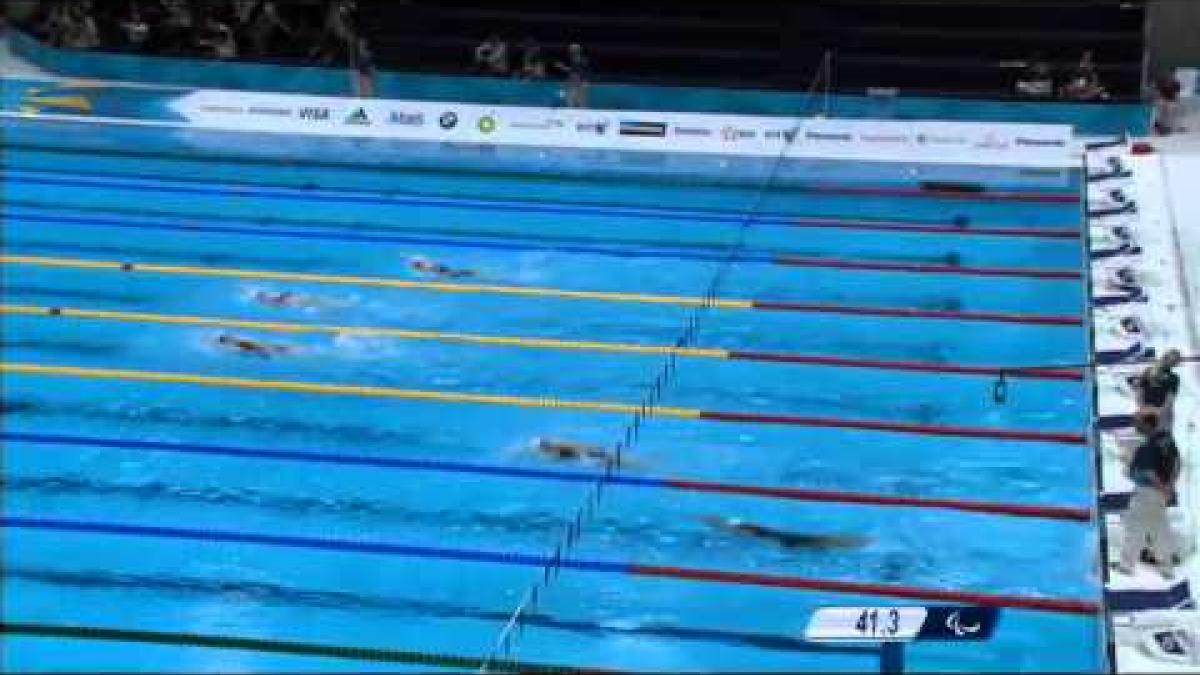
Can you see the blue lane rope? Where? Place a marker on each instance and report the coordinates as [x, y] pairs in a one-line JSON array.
[[624, 251], [20, 177], [312, 543], [328, 458]]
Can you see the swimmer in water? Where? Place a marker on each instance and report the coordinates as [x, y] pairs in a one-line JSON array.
[[284, 299], [437, 269], [790, 540], [251, 347], [569, 450]]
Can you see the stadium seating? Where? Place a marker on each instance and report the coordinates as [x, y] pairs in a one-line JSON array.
[[953, 47]]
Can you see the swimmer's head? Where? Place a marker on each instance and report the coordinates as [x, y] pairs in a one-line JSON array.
[[1171, 359], [1131, 324]]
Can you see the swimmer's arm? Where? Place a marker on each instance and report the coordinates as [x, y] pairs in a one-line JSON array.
[[821, 541], [1139, 391]]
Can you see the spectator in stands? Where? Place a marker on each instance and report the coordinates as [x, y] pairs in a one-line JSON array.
[[491, 56], [77, 26], [1037, 80], [242, 10], [177, 27], [134, 28], [533, 62], [339, 40], [54, 23], [263, 26], [216, 39], [1084, 82], [1154, 469], [576, 69], [1168, 109], [364, 69]]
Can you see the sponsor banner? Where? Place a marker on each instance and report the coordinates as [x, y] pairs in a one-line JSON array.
[[642, 128], [916, 141], [730, 133]]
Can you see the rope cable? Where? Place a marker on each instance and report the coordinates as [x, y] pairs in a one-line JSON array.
[[512, 629]]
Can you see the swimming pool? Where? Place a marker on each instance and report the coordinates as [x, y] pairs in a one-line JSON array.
[[375, 487]]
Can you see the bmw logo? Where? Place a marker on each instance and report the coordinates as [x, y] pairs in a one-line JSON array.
[[448, 120]]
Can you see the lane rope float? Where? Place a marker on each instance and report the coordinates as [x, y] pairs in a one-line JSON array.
[[534, 291], [275, 646], [547, 402], [371, 547], [1045, 511], [622, 249], [1043, 372]]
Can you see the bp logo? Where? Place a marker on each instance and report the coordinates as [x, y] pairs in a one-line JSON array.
[[487, 124], [448, 120]]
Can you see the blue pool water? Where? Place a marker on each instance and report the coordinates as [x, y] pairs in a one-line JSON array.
[[75, 469]]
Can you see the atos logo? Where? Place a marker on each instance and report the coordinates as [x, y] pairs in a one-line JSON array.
[[404, 119], [314, 114]]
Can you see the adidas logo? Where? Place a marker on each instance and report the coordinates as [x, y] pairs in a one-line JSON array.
[[359, 117]]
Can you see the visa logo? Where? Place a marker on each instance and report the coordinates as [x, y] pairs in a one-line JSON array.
[[315, 114]]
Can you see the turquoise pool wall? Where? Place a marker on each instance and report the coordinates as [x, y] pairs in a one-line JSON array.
[[1088, 119]]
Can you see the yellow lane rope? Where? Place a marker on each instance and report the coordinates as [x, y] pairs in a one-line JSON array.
[[337, 389], [361, 331], [381, 282]]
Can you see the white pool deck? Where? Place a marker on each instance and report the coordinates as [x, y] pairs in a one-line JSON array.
[[1166, 187]]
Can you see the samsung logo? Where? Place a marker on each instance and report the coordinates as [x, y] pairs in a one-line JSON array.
[[272, 112]]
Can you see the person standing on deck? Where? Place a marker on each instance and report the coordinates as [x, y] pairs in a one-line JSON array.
[[1154, 470]]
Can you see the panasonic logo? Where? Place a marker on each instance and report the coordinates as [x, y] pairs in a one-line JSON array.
[[1040, 142], [818, 136]]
